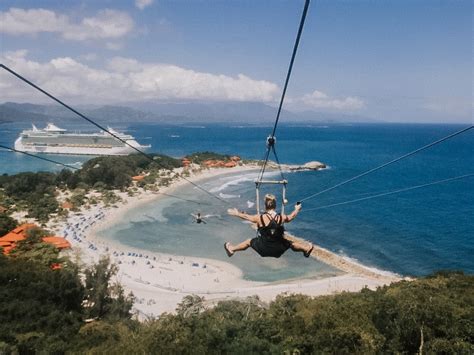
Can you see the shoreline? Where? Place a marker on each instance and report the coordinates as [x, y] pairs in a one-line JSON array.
[[159, 281]]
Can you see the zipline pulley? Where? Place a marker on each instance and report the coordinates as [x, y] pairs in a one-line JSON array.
[[270, 143]]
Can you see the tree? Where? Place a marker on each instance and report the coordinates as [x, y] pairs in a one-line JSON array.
[[105, 300], [6, 224], [41, 308]]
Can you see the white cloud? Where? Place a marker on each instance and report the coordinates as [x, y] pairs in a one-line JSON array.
[[141, 4], [19, 21], [320, 100], [106, 24], [127, 79]]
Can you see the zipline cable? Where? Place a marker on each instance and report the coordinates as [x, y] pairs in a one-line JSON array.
[[288, 75], [39, 157], [101, 127], [295, 49], [12, 150], [390, 192], [390, 162]]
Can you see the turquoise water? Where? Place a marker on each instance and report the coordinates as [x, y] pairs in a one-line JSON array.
[[167, 226], [412, 233]]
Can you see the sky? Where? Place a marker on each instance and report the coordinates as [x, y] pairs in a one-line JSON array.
[[399, 61]]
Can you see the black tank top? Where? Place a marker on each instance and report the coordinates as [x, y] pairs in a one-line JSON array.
[[274, 229]]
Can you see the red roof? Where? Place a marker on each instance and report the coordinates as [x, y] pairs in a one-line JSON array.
[[23, 228], [58, 242], [12, 237], [67, 205], [56, 266], [9, 240]]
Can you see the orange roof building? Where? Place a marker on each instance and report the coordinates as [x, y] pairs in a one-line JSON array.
[[58, 242], [12, 238], [23, 228], [9, 240], [18, 233], [138, 177], [67, 205]]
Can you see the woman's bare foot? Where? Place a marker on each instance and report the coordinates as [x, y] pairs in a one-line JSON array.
[[307, 253], [228, 249]]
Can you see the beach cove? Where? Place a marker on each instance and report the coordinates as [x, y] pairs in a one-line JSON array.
[[161, 273]]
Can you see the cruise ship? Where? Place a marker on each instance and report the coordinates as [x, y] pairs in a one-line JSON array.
[[55, 140]]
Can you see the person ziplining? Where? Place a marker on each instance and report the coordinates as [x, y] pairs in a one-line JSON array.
[[270, 240], [198, 218]]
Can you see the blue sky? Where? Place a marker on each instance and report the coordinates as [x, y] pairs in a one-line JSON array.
[[406, 61]]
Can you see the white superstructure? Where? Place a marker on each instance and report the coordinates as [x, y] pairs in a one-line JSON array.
[[55, 140]]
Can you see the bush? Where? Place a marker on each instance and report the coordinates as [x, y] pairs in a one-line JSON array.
[[7, 224]]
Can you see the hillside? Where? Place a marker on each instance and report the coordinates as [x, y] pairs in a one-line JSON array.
[[51, 311]]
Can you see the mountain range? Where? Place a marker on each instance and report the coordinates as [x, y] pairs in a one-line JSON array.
[[167, 113]]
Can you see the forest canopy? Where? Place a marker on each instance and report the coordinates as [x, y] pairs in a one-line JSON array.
[[55, 311]]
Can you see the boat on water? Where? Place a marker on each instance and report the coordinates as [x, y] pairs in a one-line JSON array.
[[55, 140]]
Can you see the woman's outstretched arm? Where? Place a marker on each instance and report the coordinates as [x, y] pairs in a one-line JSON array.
[[248, 217]]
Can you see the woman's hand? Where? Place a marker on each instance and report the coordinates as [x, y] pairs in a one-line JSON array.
[[233, 211]]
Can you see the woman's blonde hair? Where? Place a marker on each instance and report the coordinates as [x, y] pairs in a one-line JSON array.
[[270, 202]]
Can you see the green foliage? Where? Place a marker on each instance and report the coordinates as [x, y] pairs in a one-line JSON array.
[[6, 224], [33, 248], [42, 311], [388, 320], [164, 162], [200, 157], [41, 308], [116, 172], [78, 198], [105, 300], [35, 190]]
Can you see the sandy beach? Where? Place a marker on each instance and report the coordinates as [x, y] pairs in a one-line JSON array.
[[159, 281]]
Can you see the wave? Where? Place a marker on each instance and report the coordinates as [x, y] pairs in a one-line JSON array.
[[175, 136], [232, 182], [371, 268], [250, 204], [228, 195]]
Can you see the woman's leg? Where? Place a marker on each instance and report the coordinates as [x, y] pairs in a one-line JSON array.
[[302, 247], [231, 249]]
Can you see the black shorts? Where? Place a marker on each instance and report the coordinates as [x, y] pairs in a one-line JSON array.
[[270, 247]]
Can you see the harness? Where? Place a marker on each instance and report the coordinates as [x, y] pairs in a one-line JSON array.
[[274, 229]]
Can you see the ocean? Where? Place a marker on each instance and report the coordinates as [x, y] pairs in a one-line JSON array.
[[412, 233]]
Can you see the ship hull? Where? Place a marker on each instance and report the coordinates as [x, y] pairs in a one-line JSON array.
[[71, 150]]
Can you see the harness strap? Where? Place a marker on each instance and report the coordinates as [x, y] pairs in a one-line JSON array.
[[275, 219]]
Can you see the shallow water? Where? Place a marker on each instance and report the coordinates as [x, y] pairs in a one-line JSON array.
[[167, 226]]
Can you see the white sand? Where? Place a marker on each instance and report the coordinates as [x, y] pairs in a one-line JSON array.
[[160, 281]]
